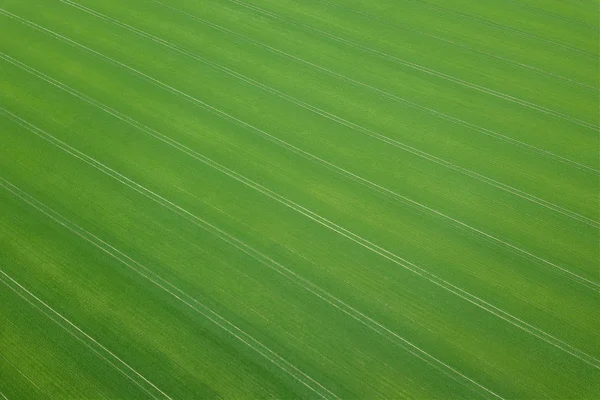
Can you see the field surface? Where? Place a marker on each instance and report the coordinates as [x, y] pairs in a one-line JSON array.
[[310, 199]]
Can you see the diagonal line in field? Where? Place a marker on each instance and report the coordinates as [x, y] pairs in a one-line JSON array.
[[502, 27], [549, 13], [344, 122], [462, 45], [27, 378], [72, 325], [540, 334], [516, 2], [255, 254], [315, 217], [166, 286], [569, 274], [398, 260], [429, 71], [438, 114]]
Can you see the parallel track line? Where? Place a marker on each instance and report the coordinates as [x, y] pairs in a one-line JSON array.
[[569, 274], [538, 333], [245, 248], [535, 69], [72, 325], [503, 27], [163, 284], [429, 71], [438, 114], [342, 121]]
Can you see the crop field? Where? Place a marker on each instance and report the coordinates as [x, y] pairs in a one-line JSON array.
[[345, 199]]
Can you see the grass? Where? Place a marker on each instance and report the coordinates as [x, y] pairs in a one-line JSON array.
[[299, 199]]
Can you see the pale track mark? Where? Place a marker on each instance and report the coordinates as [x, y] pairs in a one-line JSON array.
[[263, 259], [540, 334], [441, 115], [27, 378], [563, 344], [537, 70], [503, 27], [205, 311], [429, 71], [569, 274], [553, 15], [339, 120], [351, 176], [70, 332]]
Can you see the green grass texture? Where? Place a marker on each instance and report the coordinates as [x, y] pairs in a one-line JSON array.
[[315, 199]]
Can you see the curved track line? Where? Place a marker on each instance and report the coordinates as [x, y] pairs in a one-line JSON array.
[[127, 366], [341, 120], [539, 333]]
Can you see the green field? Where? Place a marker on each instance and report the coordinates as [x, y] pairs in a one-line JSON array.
[[250, 199]]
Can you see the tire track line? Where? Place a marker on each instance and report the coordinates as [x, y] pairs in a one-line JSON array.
[[438, 114], [429, 71], [265, 260], [79, 330], [27, 378], [569, 274], [502, 27], [399, 263], [421, 354], [553, 15], [163, 284], [342, 121], [393, 24]]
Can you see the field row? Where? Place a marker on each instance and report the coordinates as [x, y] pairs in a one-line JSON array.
[[283, 199]]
